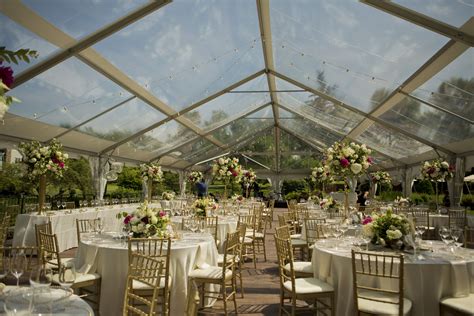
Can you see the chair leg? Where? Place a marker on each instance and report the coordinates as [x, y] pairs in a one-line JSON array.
[[264, 250], [254, 256], [224, 297]]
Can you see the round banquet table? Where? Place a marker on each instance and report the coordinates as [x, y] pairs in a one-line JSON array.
[[437, 275], [225, 224], [73, 305], [107, 256]]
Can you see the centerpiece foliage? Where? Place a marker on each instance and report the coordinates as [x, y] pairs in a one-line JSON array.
[[195, 176], [151, 172], [201, 205], [146, 221], [44, 160]]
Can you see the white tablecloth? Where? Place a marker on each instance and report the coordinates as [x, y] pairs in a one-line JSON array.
[[106, 256], [64, 224], [426, 281]]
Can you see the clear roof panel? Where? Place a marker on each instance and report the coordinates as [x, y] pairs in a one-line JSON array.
[[79, 18], [123, 121], [298, 161], [309, 130], [339, 47], [325, 112], [426, 122], [244, 127], [391, 143], [163, 138], [67, 95], [256, 161], [229, 105], [453, 87], [194, 152], [290, 143], [448, 11], [189, 50], [265, 142], [14, 37]]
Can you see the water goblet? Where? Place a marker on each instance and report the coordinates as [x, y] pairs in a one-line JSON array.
[[58, 204], [19, 302], [41, 276], [63, 204], [100, 225], [17, 266], [456, 233]]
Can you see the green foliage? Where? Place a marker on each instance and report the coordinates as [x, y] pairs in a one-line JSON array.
[[13, 180], [130, 178], [423, 186], [16, 56], [468, 201], [293, 186], [170, 182], [389, 196], [77, 177]]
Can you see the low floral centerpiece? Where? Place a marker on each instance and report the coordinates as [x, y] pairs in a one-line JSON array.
[[388, 229], [194, 177], [42, 161], [400, 200], [146, 221], [200, 206], [168, 195], [328, 203], [321, 174], [150, 173], [381, 177], [227, 170], [237, 198]]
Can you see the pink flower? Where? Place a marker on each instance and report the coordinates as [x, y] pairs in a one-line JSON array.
[[61, 164], [370, 160], [344, 162], [162, 213], [127, 219], [367, 220], [6, 75]]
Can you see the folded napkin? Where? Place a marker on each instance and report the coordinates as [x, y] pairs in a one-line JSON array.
[[460, 278]]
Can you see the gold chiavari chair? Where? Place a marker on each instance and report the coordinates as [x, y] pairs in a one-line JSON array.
[[86, 226], [314, 230], [421, 217], [45, 228], [249, 243], [468, 237], [224, 276], [308, 289], [457, 218], [302, 269], [387, 268], [159, 249], [259, 236], [148, 271], [86, 284], [211, 226]]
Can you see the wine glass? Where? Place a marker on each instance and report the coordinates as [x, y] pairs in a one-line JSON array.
[[193, 225], [100, 225], [17, 266], [58, 204], [343, 227], [445, 235], [67, 275], [19, 302], [456, 233], [63, 204], [41, 276]]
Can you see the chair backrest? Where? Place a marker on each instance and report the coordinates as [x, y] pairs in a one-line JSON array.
[[314, 229], [249, 221], [457, 218], [157, 248], [231, 252], [289, 219], [386, 267], [468, 237], [283, 232], [284, 257], [211, 225], [45, 228], [86, 226], [421, 216], [147, 270], [49, 250]]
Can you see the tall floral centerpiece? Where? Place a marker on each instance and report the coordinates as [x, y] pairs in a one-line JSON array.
[[201, 205], [388, 229], [248, 178], [379, 177], [6, 74], [348, 161], [43, 161], [437, 170], [227, 170], [150, 173], [146, 221], [194, 177], [321, 174]]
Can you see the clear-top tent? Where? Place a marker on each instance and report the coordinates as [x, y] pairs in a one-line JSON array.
[[272, 81]]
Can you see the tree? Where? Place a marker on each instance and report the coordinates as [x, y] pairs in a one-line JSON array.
[[130, 178]]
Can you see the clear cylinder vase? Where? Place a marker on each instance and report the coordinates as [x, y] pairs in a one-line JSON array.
[[41, 193]]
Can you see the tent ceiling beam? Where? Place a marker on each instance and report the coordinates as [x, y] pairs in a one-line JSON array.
[[254, 161], [223, 124], [368, 117], [435, 64], [460, 35], [335, 132], [188, 109], [286, 130], [263, 8], [28, 18]]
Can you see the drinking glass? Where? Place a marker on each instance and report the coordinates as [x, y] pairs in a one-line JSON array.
[[58, 204], [193, 225], [100, 225], [41, 276], [456, 233], [17, 266], [63, 204], [445, 235], [343, 227], [4, 267], [67, 275], [19, 302]]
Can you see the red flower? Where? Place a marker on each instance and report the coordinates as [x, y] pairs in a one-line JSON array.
[[370, 160], [127, 219], [344, 162], [6, 75]]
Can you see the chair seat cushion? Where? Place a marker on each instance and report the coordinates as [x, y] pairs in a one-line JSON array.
[[298, 242], [381, 308], [308, 286], [300, 266], [210, 272], [80, 277], [137, 285], [460, 304], [220, 258], [295, 236], [64, 261], [259, 235]]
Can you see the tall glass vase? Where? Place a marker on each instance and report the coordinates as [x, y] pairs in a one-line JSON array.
[[41, 193], [436, 191], [149, 189]]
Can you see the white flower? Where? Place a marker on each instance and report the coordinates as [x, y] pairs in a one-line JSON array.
[[394, 234], [221, 161], [444, 164], [367, 230], [329, 158], [356, 168], [154, 219], [348, 151]]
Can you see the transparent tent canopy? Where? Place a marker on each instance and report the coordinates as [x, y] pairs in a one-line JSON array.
[[271, 82]]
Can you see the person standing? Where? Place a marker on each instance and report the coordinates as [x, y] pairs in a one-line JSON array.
[[201, 188]]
